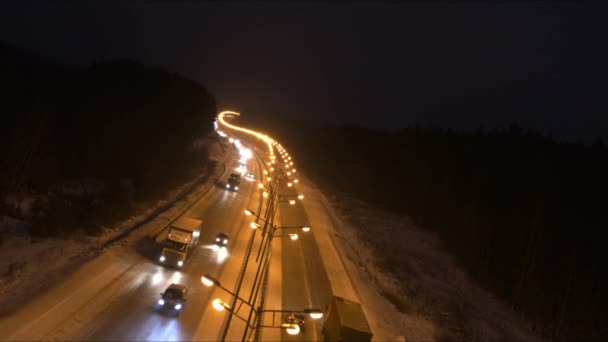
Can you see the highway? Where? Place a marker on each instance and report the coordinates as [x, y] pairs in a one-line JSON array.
[[296, 267], [113, 297]]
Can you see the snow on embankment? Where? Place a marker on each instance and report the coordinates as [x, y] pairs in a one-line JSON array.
[[408, 286], [29, 266]]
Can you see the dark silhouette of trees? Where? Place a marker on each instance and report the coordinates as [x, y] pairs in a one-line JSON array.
[[523, 214], [120, 123]]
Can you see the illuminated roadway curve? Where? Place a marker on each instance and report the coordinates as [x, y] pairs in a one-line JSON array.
[[113, 296], [304, 282]]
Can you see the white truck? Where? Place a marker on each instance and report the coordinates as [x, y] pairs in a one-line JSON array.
[[180, 240]]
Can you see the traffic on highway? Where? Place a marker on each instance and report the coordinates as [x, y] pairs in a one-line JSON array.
[[240, 262]]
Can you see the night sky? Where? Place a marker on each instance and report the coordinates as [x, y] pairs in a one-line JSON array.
[[384, 65]]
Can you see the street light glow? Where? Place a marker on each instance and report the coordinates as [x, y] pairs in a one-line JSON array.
[[219, 305], [228, 113], [305, 229], [314, 313], [292, 329], [206, 281], [289, 184], [292, 202], [293, 237], [260, 185], [301, 197], [254, 225], [248, 212]]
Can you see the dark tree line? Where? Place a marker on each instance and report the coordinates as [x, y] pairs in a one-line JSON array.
[[524, 215], [122, 125]]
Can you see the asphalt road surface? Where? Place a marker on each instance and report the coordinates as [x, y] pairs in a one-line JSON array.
[[114, 296]]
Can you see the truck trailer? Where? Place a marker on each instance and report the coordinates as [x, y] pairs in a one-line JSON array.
[[345, 321], [180, 240]]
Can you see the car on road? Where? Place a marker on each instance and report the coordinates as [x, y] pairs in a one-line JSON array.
[[174, 298], [249, 176], [234, 180], [221, 240]]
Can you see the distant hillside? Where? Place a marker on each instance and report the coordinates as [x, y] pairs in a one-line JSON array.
[[524, 215], [120, 122]]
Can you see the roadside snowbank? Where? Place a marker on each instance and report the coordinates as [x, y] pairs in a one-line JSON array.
[[409, 286], [29, 266]]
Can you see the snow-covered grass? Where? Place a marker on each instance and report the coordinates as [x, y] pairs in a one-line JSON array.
[[432, 299], [29, 266]]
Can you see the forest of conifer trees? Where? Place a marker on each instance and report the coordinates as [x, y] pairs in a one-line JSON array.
[[119, 130], [522, 214]]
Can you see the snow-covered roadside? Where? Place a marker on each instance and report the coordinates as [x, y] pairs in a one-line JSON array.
[[408, 285], [28, 267]]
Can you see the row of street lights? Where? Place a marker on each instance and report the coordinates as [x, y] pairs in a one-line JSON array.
[[277, 174], [220, 305]]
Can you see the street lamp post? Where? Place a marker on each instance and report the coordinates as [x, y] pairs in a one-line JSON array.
[[277, 171], [292, 328], [220, 305], [265, 248], [273, 230], [269, 232], [290, 199]]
